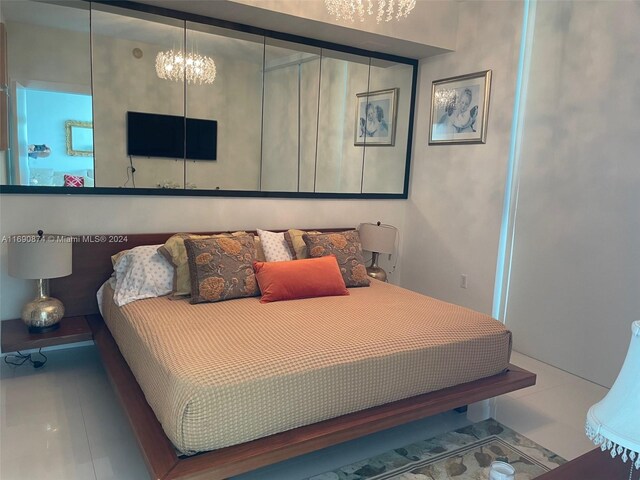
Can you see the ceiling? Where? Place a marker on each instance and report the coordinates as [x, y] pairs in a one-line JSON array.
[[109, 22], [288, 16]]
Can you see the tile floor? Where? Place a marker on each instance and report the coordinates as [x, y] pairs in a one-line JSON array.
[[63, 422]]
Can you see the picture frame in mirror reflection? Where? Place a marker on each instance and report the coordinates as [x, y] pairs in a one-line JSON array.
[[79, 138], [376, 115], [460, 109]]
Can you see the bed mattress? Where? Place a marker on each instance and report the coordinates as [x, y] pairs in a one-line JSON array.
[[225, 373]]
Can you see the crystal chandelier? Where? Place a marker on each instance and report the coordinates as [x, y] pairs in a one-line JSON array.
[[175, 65], [445, 97], [385, 9]]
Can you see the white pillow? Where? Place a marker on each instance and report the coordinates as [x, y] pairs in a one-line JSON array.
[[41, 176], [275, 246], [142, 273]]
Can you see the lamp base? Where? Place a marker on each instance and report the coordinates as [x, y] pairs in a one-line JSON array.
[[50, 328], [377, 273], [43, 314], [374, 271]]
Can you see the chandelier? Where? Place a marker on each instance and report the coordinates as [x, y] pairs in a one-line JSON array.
[[445, 97], [385, 9], [176, 66]]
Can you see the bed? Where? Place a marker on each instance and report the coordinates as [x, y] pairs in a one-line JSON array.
[[278, 380]]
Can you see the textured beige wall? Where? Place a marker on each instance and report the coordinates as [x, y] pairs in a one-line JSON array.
[[575, 276], [50, 55], [454, 211]]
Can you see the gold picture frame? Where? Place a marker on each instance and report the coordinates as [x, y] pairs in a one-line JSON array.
[[79, 136]]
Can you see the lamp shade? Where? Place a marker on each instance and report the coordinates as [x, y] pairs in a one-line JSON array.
[[614, 422], [34, 257], [377, 238]]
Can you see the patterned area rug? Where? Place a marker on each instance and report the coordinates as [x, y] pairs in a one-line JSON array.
[[463, 454]]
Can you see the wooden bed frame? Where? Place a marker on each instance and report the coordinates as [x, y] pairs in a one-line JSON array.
[[92, 266]]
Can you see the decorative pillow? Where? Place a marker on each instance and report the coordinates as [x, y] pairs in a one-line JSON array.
[[348, 251], [174, 251], [141, 273], [118, 256], [221, 268], [58, 177], [311, 277], [275, 246], [296, 244], [73, 181], [259, 251]]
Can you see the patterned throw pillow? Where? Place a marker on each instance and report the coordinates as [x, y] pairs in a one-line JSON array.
[[296, 244], [141, 273], [73, 181], [174, 251], [348, 252], [275, 246], [221, 268]]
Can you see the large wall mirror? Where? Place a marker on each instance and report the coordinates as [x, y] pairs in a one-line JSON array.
[[132, 100]]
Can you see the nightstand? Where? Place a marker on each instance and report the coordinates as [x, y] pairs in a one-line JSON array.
[[16, 336], [594, 465]]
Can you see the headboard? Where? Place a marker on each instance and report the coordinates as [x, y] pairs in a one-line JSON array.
[[92, 265]]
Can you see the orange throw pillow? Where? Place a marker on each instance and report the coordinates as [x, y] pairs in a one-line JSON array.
[[312, 277]]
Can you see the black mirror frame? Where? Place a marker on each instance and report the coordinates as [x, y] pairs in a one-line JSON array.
[[25, 189]]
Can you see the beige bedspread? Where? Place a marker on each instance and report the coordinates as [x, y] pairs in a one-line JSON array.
[[226, 373]]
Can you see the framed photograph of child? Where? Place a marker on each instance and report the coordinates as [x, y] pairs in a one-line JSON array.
[[460, 109], [376, 118]]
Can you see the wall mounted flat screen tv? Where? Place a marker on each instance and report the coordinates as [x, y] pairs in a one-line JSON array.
[[153, 135]]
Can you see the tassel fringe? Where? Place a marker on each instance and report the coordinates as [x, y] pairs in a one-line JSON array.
[[614, 449]]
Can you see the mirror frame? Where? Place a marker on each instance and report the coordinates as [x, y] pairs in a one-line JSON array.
[[68, 133], [190, 17]]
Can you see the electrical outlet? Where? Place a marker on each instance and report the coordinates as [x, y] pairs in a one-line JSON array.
[[463, 280]]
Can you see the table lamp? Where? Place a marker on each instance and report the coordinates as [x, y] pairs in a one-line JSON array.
[[40, 257], [377, 238], [614, 422]]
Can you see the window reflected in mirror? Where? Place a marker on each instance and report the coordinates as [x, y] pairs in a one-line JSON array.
[[49, 83]]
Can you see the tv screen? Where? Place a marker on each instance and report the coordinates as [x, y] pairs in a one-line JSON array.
[[202, 139], [153, 135]]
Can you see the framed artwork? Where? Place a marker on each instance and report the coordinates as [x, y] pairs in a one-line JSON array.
[[459, 109], [376, 114], [79, 136]]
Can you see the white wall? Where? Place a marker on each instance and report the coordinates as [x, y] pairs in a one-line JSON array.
[[575, 280], [55, 56], [452, 218], [136, 214]]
